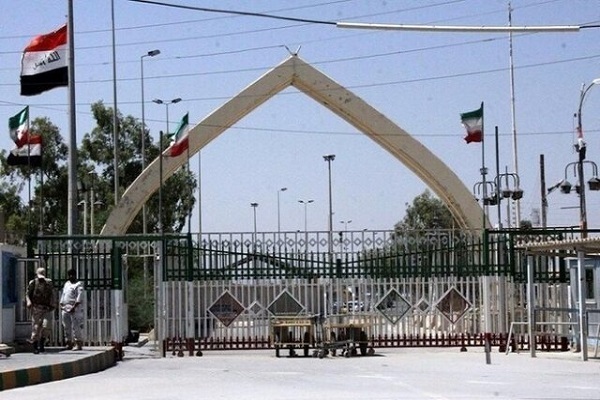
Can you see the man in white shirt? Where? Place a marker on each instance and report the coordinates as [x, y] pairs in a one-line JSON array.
[[73, 313]]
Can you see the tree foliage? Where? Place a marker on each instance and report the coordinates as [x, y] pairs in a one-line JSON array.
[[426, 212], [95, 169]]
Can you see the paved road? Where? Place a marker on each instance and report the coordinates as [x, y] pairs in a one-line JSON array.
[[390, 374]]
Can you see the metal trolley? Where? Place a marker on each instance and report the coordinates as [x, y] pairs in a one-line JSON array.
[[294, 332], [346, 333]]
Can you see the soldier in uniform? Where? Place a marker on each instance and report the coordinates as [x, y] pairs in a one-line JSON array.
[[41, 301]]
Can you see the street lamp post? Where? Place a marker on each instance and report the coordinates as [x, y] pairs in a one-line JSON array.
[[306, 203], [151, 53], [283, 189], [160, 154], [580, 146], [329, 158], [254, 206], [345, 223], [93, 201]]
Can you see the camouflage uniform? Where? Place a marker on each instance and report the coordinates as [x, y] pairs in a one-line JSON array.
[[41, 299]]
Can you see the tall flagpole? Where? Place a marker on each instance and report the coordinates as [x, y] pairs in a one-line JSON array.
[[189, 171], [72, 167], [115, 118], [28, 175], [513, 119], [483, 169]]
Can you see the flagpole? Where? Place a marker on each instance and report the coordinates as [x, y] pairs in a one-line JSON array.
[[115, 118], [72, 171], [41, 230], [483, 169], [513, 118], [28, 176], [189, 174], [160, 186]]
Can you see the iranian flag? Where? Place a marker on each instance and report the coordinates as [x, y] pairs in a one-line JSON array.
[[473, 123], [44, 63], [28, 146], [180, 142], [18, 127]]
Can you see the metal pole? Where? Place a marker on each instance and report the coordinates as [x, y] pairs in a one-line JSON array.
[[160, 186], [278, 210], [581, 149], [581, 290], [329, 158], [72, 166], [513, 119], [254, 205], [92, 204], [530, 306], [115, 119], [151, 53], [160, 195]]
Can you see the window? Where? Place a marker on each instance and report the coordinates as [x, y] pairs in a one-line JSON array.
[[589, 283]]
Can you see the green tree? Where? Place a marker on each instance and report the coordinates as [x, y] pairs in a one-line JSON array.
[[425, 213], [21, 217], [96, 155]]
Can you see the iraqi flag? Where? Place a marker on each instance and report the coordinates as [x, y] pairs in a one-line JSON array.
[[44, 63], [473, 123], [28, 154], [180, 141]]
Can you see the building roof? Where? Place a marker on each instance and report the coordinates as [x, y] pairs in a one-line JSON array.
[[590, 246]]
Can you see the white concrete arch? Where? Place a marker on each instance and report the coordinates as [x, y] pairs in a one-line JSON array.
[[295, 72]]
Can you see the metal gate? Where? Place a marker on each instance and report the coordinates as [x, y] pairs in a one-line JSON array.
[[220, 290], [415, 288]]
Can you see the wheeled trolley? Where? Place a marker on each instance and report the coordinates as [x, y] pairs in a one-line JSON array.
[[347, 334], [293, 333]]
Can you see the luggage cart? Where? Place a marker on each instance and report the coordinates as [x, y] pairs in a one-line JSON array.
[[295, 332], [347, 334]]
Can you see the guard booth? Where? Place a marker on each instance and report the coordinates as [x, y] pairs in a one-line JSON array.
[[9, 293], [591, 294]]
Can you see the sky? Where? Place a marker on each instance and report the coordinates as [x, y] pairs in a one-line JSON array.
[[422, 81]]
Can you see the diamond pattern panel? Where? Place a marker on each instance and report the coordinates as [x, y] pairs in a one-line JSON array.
[[226, 309], [453, 305], [285, 304], [393, 306]]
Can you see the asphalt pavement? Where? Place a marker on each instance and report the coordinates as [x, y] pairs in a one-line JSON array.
[[389, 374]]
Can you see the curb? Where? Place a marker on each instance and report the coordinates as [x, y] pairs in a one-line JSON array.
[[48, 373]]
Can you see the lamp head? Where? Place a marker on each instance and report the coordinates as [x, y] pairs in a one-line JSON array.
[[517, 194], [506, 193], [594, 183], [329, 157], [175, 101], [254, 204], [158, 101], [565, 187], [490, 200], [153, 53]]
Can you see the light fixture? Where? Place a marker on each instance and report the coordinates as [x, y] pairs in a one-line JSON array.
[[517, 194], [594, 183], [565, 187]]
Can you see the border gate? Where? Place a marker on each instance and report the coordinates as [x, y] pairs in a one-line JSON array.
[[426, 288]]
